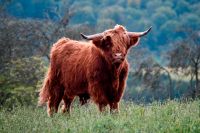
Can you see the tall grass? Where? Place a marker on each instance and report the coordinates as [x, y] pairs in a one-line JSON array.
[[168, 117]]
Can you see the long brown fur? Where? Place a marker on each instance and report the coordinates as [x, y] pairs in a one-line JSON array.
[[87, 69]]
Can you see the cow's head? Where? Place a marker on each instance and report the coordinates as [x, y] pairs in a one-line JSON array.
[[114, 43]]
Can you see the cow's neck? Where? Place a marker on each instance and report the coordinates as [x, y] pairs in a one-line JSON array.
[[114, 70]]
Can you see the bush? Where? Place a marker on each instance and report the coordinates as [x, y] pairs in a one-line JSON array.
[[20, 81]]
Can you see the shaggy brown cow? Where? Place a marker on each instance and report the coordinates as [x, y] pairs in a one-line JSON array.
[[97, 69]]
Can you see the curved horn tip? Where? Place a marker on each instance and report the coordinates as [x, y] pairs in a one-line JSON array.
[[149, 28], [147, 31], [84, 36]]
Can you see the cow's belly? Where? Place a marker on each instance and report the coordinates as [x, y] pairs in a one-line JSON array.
[[75, 84]]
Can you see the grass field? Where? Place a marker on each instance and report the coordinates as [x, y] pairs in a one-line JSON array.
[[168, 117]]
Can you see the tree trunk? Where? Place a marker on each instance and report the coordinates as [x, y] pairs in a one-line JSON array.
[[170, 86], [193, 93], [171, 90], [197, 80]]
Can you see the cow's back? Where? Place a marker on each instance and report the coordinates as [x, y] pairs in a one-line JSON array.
[[70, 59]]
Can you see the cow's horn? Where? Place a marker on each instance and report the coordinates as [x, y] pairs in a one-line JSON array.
[[92, 37], [139, 34]]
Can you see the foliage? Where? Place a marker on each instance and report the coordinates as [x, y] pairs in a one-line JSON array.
[[148, 80], [185, 57], [165, 16], [170, 116], [19, 81]]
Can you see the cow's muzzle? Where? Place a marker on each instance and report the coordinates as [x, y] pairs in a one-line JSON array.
[[118, 58]]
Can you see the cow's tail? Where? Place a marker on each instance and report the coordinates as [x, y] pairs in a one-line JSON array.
[[44, 93]]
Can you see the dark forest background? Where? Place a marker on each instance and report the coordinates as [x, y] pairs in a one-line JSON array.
[[164, 66]]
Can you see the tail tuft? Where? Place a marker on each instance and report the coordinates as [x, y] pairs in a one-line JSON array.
[[44, 92]]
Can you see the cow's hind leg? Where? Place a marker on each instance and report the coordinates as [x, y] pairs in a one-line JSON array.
[[67, 103], [58, 98], [50, 104], [54, 100]]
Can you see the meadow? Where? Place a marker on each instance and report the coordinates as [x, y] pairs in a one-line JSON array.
[[168, 117]]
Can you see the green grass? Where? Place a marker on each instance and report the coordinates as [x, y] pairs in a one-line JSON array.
[[168, 117]]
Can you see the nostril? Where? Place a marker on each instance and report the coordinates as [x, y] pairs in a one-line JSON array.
[[118, 54]]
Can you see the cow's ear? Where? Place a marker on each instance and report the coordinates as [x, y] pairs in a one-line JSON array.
[[106, 42], [97, 43], [103, 43], [133, 41]]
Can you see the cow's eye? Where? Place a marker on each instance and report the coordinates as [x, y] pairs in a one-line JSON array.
[[108, 46]]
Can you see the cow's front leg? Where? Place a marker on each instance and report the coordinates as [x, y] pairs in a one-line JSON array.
[[102, 107], [99, 94], [114, 107], [122, 83]]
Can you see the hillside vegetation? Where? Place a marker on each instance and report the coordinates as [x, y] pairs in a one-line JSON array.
[[168, 18]]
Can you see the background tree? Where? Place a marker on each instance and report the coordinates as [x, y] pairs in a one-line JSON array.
[[150, 75], [185, 57]]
